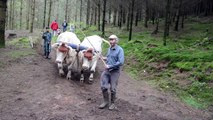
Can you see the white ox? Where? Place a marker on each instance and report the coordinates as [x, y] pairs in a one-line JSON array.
[[65, 53], [89, 64]]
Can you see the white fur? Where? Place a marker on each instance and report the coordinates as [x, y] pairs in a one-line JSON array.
[[69, 57], [94, 42]]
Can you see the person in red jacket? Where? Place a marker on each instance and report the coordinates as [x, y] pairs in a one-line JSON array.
[[54, 27]]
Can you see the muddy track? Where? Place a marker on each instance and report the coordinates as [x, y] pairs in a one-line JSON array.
[[30, 89]]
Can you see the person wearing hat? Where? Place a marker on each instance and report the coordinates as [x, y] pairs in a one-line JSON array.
[[109, 77], [47, 36]]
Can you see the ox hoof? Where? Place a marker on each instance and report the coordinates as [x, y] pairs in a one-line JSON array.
[[90, 81], [69, 77], [61, 74], [82, 79]]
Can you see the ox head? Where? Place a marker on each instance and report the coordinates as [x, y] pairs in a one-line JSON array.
[[88, 58], [88, 54], [62, 50]]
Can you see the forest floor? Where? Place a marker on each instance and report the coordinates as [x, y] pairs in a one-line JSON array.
[[31, 89]]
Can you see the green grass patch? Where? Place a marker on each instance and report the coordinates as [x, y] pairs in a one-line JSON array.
[[20, 42], [20, 53]]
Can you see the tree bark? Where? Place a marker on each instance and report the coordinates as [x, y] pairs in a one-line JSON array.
[[11, 8], [167, 21], [28, 15], [136, 17], [99, 15], [103, 18], [128, 18], [32, 16], [147, 15], [80, 12], [76, 10], [13, 14], [114, 16], [95, 21], [91, 18], [45, 6], [131, 20], [178, 16], [120, 17], [21, 8], [66, 11], [88, 13], [109, 13], [3, 10], [49, 14]]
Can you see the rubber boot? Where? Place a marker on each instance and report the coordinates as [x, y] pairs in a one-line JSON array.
[[106, 99], [112, 105]]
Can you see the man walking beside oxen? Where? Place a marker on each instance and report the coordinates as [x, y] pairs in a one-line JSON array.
[[109, 77]]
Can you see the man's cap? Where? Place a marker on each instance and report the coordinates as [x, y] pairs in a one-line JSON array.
[[113, 37]]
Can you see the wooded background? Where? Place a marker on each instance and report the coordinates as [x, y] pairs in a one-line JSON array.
[[125, 14]]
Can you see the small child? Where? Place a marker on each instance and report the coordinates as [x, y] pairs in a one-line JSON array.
[[47, 36]]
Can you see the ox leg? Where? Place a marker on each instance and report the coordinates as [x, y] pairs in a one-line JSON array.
[[92, 71], [91, 77], [69, 72], [82, 78], [60, 68]]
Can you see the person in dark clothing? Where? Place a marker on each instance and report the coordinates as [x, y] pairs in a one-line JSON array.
[[64, 25], [109, 77], [47, 37]]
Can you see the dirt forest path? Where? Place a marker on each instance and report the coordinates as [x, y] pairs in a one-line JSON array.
[[31, 89]]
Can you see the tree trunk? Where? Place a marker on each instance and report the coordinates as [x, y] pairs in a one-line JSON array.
[[103, 19], [120, 17], [109, 13], [28, 15], [11, 8], [91, 18], [124, 16], [13, 14], [80, 12], [32, 16], [183, 17], [76, 10], [114, 16], [21, 8], [147, 14], [3, 10], [131, 20], [167, 21], [88, 13], [99, 15], [66, 10], [45, 6], [128, 18], [95, 21], [49, 14], [178, 16], [136, 17]]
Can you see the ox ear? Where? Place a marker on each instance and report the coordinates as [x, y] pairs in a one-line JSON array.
[[55, 45]]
